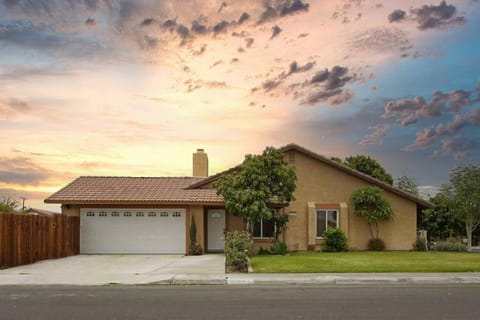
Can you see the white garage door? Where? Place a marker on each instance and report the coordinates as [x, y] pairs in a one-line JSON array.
[[132, 231]]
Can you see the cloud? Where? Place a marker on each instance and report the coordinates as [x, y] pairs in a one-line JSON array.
[[249, 42], [458, 147], [430, 16], [220, 27], [410, 111], [13, 106], [22, 171], [193, 85], [243, 18], [198, 27], [281, 9], [379, 39], [375, 137], [275, 31], [294, 68], [90, 22], [396, 15], [452, 129]]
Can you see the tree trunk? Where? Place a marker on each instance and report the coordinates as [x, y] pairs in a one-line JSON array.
[[371, 230], [469, 229]]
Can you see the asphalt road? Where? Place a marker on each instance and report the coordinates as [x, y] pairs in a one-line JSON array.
[[230, 302]]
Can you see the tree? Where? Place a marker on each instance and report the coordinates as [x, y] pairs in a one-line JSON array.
[[369, 203], [262, 182], [440, 221], [463, 192], [408, 184], [8, 205], [368, 166]]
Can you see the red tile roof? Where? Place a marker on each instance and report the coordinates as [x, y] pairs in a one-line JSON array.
[[133, 189]]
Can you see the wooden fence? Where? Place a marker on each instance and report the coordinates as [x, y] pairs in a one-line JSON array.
[[25, 239]]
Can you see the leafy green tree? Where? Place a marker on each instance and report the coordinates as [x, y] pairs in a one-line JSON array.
[[408, 184], [440, 221], [263, 181], [369, 203], [369, 166], [463, 192], [8, 205]]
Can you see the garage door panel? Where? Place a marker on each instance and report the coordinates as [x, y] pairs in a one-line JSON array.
[[134, 231]]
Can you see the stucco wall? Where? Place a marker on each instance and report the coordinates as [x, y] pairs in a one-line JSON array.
[[321, 183]]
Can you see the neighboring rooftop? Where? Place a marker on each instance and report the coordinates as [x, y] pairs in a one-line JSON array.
[[133, 189]]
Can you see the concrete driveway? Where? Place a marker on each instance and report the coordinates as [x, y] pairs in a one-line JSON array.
[[114, 269]]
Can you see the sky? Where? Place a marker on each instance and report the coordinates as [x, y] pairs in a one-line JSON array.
[[133, 88]]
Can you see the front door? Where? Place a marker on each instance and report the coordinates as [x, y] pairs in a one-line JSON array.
[[215, 227]]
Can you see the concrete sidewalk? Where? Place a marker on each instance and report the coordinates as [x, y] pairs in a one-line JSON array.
[[330, 279]]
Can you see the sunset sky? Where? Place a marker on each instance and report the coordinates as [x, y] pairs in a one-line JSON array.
[[133, 88]]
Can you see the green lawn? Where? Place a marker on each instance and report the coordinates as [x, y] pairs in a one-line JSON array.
[[314, 262]]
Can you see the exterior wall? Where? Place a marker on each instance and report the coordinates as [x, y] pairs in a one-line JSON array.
[[319, 183], [197, 212]]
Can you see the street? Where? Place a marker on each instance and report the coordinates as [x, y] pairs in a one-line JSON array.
[[239, 302]]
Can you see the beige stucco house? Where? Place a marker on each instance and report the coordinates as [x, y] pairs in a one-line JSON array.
[[154, 214]]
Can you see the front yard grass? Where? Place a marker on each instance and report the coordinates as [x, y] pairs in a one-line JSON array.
[[387, 261]]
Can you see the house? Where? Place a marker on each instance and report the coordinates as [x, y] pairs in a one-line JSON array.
[[154, 214]]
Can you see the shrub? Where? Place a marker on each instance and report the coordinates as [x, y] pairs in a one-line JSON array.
[[278, 248], [452, 246], [237, 246], [420, 245], [335, 240], [376, 244], [264, 252]]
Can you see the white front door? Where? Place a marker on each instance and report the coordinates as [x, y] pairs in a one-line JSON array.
[[215, 227]]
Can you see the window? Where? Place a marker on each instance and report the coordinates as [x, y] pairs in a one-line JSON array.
[[176, 214], [127, 214], [102, 214], [164, 214], [90, 214], [263, 229], [152, 214], [115, 214], [139, 214], [326, 219]]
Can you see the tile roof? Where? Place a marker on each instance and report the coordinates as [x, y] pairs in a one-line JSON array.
[[133, 189], [342, 167]]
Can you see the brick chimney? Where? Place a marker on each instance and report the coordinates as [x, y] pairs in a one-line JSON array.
[[200, 164]]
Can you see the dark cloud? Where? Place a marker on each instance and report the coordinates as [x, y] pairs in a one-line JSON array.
[[458, 147], [222, 6], [244, 17], [410, 111], [435, 16], [167, 24], [249, 42], [452, 129], [221, 27], [334, 79], [22, 171], [397, 15], [234, 60], [182, 31], [198, 27], [294, 68], [294, 7], [275, 31], [282, 8], [150, 21], [90, 22]]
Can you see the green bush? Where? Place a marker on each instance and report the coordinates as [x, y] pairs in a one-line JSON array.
[[278, 248], [237, 246], [264, 252], [452, 246], [335, 240], [376, 244], [420, 245]]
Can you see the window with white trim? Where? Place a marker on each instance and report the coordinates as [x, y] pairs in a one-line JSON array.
[[264, 229], [326, 218]]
